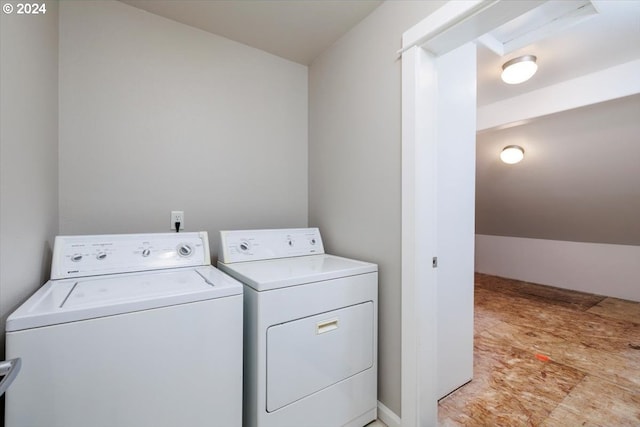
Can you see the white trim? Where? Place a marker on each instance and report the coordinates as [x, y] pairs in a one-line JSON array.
[[551, 18], [597, 268], [457, 23], [409, 345], [419, 234], [387, 416], [418, 190], [611, 83], [441, 20], [492, 43]]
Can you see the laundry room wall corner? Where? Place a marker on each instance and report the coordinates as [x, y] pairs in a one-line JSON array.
[[355, 161], [28, 154]]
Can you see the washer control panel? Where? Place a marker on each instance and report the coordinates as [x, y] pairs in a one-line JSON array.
[[255, 245], [80, 256]]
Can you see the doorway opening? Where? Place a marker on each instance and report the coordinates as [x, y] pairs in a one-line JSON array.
[[425, 45]]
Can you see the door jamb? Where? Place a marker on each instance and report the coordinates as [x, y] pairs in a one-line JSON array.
[[463, 21]]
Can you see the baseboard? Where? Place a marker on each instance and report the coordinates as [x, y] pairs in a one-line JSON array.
[[387, 416]]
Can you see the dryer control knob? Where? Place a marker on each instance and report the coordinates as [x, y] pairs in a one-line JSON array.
[[76, 257], [146, 252], [101, 256], [184, 250]]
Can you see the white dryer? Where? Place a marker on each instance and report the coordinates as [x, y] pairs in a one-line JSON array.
[[131, 330], [310, 335]]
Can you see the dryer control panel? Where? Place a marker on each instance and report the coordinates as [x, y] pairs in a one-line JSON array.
[[81, 256], [255, 245]]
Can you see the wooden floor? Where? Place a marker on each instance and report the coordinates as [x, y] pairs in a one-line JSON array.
[[549, 357]]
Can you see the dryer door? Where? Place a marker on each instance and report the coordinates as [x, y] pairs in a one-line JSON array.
[[307, 355]]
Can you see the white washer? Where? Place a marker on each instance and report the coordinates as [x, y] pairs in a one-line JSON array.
[[131, 330], [310, 329]]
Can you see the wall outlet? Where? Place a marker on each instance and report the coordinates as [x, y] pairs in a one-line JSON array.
[[177, 216]]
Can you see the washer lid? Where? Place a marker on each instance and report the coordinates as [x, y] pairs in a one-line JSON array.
[[63, 301], [283, 272]]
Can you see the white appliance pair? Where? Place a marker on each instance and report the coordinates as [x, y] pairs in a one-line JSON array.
[[140, 330]]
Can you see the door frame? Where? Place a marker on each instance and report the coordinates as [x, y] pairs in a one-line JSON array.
[[451, 26]]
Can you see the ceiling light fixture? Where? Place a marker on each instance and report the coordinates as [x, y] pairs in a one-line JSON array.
[[519, 70], [512, 154]]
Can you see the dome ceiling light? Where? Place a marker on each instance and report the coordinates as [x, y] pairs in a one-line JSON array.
[[512, 154], [519, 70]]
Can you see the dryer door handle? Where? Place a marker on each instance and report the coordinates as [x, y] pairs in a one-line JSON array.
[[9, 368], [326, 326]]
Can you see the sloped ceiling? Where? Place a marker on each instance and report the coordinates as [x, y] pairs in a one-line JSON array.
[[579, 181]]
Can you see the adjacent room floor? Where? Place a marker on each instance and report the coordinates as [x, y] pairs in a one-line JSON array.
[[549, 357]]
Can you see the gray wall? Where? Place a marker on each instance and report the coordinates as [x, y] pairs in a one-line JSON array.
[[28, 154], [355, 161], [158, 116], [579, 180]]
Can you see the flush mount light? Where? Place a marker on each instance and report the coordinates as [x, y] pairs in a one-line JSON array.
[[520, 69], [512, 154]]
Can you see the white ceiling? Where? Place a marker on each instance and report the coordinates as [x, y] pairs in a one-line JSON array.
[[301, 30], [295, 30], [610, 38]]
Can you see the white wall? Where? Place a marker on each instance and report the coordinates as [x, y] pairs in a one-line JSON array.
[[354, 161], [158, 116], [598, 268], [28, 154]]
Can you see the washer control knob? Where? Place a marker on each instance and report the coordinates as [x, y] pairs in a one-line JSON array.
[[76, 257], [312, 241], [146, 252], [290, 242], [101, 256], [184, 250], [244, 246]]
